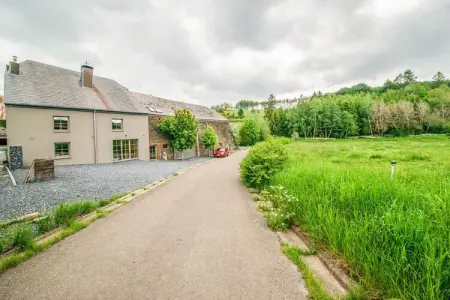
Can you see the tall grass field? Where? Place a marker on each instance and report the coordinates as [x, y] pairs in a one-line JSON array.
[[395, 234]]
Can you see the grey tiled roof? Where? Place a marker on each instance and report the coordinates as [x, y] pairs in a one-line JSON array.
[[44, 85], [167, 107], [2, 132]]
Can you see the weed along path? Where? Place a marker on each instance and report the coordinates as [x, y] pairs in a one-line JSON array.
[[196, 237]]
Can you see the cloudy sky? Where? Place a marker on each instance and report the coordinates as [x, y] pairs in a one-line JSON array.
[[207, 52]]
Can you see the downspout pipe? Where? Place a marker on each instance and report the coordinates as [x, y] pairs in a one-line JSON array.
[[95, 137]]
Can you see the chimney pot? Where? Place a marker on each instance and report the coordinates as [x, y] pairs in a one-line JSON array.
[[14, 66], [87, 75]]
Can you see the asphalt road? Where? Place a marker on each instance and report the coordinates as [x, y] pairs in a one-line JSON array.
[[196, 237]]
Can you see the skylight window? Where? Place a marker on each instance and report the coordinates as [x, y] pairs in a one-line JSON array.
[[152, 109]]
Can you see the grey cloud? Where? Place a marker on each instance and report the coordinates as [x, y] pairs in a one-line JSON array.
[[145, 44], [413, 41]]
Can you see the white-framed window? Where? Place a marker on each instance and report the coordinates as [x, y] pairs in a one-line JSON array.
[[117, 124], [62, 150], [125, 149], [60, 124]]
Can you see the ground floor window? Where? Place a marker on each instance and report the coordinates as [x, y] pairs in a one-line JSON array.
[[125, 149], [62, 149], [153, 152]]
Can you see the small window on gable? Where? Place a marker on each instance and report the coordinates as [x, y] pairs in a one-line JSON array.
[[165, 146], [61, 124], [117, 124]]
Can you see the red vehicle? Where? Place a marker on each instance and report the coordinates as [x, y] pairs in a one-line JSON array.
[[221, 152]]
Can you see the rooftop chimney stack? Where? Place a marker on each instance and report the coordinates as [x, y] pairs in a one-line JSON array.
[[87, 75], [14, 66]]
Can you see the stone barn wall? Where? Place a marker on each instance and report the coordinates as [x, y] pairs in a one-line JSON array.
[[160, 140], [224, 138]]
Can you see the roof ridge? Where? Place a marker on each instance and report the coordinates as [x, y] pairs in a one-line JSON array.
[[164, 99], [66, 69]]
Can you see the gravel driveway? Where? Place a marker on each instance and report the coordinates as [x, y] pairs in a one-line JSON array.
[[82, 182]]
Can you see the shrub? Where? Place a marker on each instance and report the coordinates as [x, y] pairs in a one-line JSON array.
[[262, 163], [249, 133], [282, 141], [209, 138], [277, 205]]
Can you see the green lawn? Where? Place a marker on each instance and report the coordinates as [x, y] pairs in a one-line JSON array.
[[394, 234]]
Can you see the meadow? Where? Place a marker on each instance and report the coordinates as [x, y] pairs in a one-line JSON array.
[[393, 234]]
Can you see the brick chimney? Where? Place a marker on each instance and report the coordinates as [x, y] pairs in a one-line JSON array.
[[87, 75], [14, 66]]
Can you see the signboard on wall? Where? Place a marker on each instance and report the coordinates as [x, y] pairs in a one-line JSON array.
[[2, 109]]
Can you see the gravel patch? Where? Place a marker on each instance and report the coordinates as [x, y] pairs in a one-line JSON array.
[[82, 182]]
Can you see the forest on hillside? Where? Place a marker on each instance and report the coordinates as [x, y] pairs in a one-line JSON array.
[[401, 106]]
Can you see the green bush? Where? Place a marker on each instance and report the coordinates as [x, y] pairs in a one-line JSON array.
[[249, 133], [262, 163], [282, 141], [276, 204]]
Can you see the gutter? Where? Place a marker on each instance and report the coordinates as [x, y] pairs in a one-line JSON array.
[[76, 109], [94, 115]]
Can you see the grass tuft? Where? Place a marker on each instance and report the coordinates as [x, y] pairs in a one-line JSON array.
[[118, 196], [315, 288], [23, 237], [67, 212]]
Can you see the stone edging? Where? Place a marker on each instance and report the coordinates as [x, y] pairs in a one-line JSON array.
[[339, 274]]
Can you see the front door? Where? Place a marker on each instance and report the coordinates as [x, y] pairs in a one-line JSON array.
[[152, 152], [126, 149]]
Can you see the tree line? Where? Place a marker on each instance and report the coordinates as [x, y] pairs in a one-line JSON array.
[[401, 106]]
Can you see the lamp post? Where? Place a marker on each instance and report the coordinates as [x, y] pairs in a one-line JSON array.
[[393, 169]]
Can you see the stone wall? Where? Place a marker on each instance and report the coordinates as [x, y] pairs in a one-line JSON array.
[[224, 138], [15, 157], [160, 140]]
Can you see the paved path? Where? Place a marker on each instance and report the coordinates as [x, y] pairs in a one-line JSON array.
[[196, 237]]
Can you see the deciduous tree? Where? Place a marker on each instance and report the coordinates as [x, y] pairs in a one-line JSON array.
[[182, 129], [209, 138], [380, 118], [439, 78], [249, 133]]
